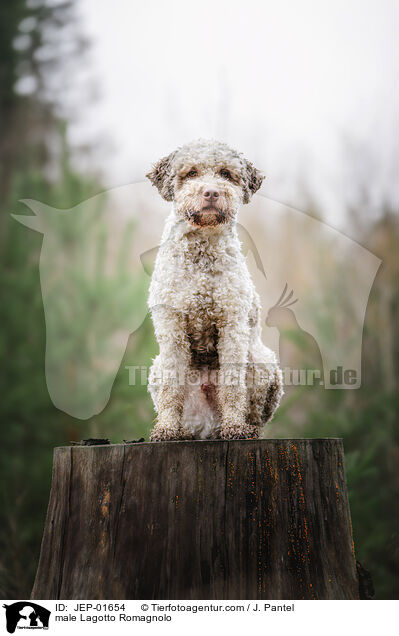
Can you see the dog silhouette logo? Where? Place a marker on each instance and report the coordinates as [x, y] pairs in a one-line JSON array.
[[26, 615]]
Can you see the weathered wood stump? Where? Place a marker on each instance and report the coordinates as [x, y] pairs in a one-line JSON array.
[[251, 519]]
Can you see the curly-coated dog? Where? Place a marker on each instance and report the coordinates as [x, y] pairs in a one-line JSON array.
[[213, 377]]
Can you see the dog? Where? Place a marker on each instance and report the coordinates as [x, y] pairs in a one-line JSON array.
[[213, 377]]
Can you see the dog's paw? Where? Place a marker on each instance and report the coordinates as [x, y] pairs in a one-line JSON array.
[[186, 434], [162, 433], [239, 431]]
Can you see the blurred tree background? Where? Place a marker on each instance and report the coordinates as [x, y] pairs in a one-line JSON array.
[[40, 40], [35, 163]]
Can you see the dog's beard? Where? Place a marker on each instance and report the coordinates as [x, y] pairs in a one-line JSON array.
[[207, 218]]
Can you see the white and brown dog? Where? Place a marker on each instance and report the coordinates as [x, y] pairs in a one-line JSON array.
[[213, 377]]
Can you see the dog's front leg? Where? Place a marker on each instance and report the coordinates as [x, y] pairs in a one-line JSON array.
[[232, 389], [174, 349]]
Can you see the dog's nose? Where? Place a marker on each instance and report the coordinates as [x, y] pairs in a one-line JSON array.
[[210, 193]]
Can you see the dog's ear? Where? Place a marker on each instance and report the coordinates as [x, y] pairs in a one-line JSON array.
[[253, 180], [162, 176]]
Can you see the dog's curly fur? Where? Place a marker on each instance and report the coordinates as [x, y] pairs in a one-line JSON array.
[[213, 377]]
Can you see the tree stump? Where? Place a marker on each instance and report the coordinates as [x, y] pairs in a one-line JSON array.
[[250, 519]]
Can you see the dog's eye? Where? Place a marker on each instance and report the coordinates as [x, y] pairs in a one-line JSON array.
[[192, 173], [225, 174]]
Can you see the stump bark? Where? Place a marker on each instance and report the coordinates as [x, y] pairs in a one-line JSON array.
[[251, 519]]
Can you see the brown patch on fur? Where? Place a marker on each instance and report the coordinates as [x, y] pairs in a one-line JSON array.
[[209, 390], [272, 400], [202, 357]]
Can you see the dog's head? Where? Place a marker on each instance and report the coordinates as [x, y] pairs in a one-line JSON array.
[[207, 180]]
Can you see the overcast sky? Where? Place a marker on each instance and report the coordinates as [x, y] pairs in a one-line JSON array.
[[308, 90]]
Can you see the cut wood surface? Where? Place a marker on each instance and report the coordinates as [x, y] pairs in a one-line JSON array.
[[250, 519]]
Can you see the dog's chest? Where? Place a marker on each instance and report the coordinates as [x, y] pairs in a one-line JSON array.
[[205, 279], [203, 270], [202, 318]]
